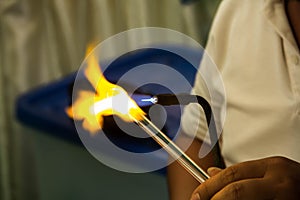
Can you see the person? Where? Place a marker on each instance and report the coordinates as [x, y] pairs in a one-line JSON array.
[[255, 45]]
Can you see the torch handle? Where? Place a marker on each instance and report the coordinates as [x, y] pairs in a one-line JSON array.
[[198, 173]]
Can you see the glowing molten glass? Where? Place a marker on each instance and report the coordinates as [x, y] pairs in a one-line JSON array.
[[109, 99]]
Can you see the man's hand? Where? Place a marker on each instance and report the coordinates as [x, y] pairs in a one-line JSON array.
[[270, 178]]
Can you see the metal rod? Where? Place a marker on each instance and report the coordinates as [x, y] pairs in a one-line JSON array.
[[198, 173]]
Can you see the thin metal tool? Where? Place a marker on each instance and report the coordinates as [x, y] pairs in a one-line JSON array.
[[163, 140]]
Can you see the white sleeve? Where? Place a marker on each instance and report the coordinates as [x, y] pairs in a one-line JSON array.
[[208, 82]]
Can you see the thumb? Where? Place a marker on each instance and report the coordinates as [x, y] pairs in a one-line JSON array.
[[212, 171]]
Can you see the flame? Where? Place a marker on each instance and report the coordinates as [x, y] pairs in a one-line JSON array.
[[109, 99]]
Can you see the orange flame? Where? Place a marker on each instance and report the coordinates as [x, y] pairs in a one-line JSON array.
[[109, 99]]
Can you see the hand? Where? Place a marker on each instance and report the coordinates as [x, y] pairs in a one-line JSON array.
[[270, 178]]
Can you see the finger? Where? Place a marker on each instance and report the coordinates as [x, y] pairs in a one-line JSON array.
[[246, 170], [212, 171], [248, 189]]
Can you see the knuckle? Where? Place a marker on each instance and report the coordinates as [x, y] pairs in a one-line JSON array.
[[235, 191], [288, 184], [204, 192], [279, 161], [289, 190], [229, 174]]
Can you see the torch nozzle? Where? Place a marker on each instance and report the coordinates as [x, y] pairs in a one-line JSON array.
[[153, 100], [172, 99]]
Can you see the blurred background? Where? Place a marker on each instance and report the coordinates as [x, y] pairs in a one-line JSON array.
[[44, 40]]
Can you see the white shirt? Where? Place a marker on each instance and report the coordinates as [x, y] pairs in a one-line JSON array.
[[253, 46]]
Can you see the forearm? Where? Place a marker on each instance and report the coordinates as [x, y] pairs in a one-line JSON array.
[[181, 183]]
